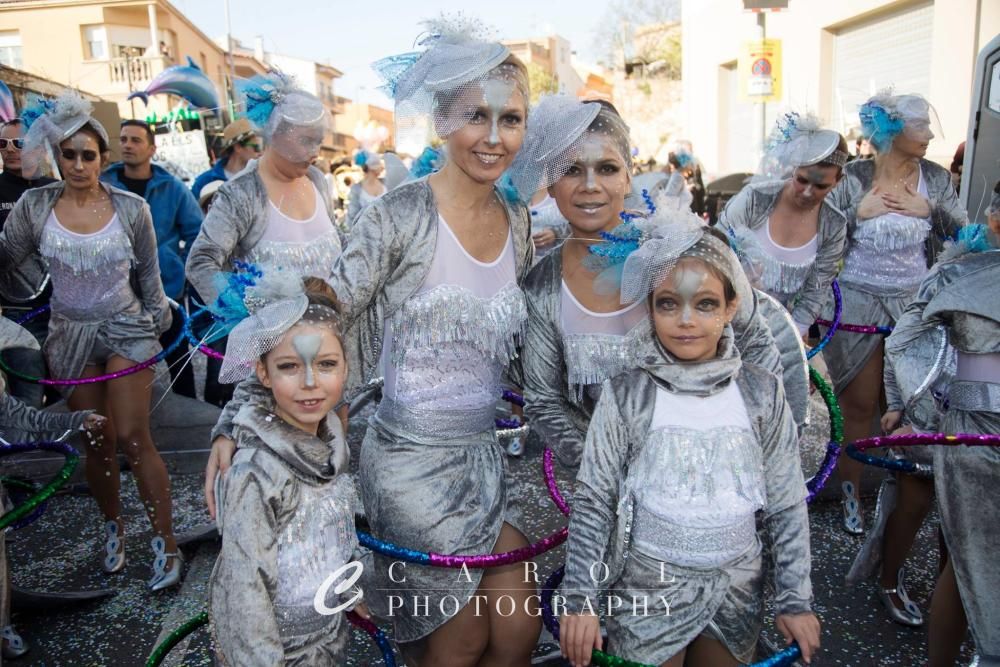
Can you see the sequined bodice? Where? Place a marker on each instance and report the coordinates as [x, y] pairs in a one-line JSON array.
[[306, 247], [886, 253], [90, 272], [599, 346], [448, 345], [698, 480], [318, 540]]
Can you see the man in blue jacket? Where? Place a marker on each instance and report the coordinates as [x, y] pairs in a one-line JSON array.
[[239, 146], [176, 218]]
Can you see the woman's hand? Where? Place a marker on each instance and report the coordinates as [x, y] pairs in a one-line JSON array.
[[872, 205], [890, 420], [219, 462], [579, 636], [94, 422], [911, 203], [544, 238], [362, 610], [801, 628]]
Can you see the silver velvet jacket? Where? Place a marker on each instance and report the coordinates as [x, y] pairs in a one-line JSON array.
[[554, 407], [235, 225], [956, 307], [947, 214], [22, 236], [287, 491], [601, 522], [750, 210], [390, 251]]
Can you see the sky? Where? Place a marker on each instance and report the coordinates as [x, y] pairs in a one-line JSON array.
[[352, 35]]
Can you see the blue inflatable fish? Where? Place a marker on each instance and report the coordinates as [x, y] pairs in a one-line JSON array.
[[7, 112], [187, 81]]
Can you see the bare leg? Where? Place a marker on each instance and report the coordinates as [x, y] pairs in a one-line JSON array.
[[914, 502], [460, 642], [513, 609], [677, 660], [129, 398], [707, 652], [103, 475], [859, 403], [948, 624]]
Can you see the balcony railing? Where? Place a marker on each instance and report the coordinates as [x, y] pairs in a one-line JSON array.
[[136, 70]]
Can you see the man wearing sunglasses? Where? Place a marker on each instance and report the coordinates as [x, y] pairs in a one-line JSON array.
[[239, 146], [176, 217], [28, 279]]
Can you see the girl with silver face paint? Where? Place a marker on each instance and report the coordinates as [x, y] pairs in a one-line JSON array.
[[580, 332], [429, 284], [99, 244], [683, 450], [900, 208], [288, 504]]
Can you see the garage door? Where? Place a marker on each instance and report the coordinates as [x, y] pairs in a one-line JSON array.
[[889, 50]]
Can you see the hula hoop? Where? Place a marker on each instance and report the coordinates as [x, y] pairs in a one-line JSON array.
[[175, 637], [834, 447], [838, 309], [99, 378], [601, 659], [842, 326], [21, 485], [189, 334], [855, 449], [377, 636], [31, 504], [550, 482]]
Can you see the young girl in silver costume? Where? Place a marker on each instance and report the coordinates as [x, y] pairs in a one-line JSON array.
[[429, 285], [957, 307], [580, 334], [288, 504], [108, 311], [681, 454]]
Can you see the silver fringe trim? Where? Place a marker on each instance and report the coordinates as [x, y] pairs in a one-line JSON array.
[[886, 234], [85, 254], [593, 358], [451, 314], [316, 256], [684, 464], [774, 275]]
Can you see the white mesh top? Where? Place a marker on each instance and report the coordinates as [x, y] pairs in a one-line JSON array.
[[90, 272], [308, 247], [448, 346]]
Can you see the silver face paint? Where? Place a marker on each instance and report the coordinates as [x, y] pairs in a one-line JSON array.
[[307, 346], [688, 281], [591, 154], [496, 92]]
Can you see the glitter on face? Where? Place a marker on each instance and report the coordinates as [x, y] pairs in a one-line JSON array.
[[689, 281], [496, 92], [307, 346], [591, 155]]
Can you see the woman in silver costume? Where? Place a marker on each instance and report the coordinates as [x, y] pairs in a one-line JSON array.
[[369, 188], [108, 311], [681, 454], [900, 208], [958, 305], [429, 285], [275, 213], [580, 334], [788, 233]]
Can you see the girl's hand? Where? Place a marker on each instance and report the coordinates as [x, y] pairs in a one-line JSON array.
[[94, 422], [544, 238], [801, 628], [579, 636], [890, 420], [219, 461], [872, 205], [912, 203]]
